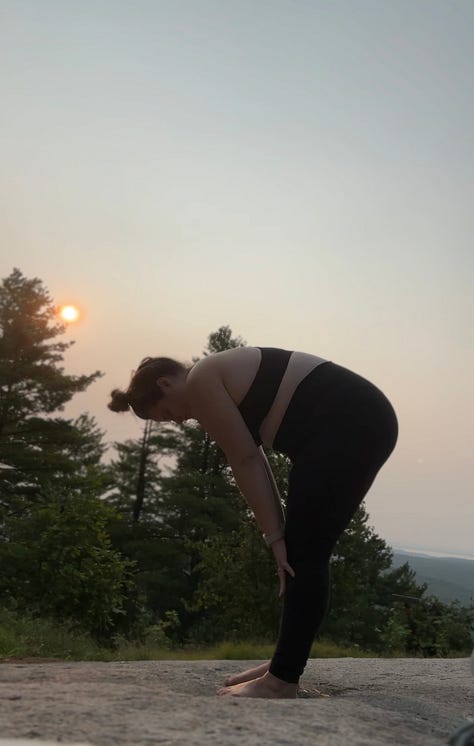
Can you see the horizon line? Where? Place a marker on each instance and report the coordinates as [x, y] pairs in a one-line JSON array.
[[435, 553]]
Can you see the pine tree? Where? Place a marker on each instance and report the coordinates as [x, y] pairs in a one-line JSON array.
[[136, 471], [56, 558], [31, 382], [37, 449], [363, 584]]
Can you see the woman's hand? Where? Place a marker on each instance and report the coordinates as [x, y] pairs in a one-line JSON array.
[[279, 550]]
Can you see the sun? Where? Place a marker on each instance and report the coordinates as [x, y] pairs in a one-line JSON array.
[[69, 314]]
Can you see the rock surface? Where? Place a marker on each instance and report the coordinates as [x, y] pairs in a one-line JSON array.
[[361, 702]]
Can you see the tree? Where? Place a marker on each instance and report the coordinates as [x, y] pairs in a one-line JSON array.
[[190, 502], [139, 531], [55, 553], [30, 380], [59, 563], [382, 608], [136, 471], [37, 448], [237, 594], [424, 625], [362, 585]]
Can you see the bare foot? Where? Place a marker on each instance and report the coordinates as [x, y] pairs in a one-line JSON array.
[[266, 686], [248, 675]]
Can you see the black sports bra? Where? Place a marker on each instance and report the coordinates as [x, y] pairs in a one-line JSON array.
[[259, 398]]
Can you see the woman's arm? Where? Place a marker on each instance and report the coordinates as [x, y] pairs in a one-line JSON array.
[[219, 416], [273, 484], [255, 483]]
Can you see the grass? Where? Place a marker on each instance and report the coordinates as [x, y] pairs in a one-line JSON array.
[[23, 637], [226, 650]]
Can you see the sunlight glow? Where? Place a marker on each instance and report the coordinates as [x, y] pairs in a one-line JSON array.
[[69, 314]]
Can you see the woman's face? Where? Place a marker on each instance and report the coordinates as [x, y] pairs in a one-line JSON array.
[[172, 407]]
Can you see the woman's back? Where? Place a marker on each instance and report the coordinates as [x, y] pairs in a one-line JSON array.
[[237, 369]]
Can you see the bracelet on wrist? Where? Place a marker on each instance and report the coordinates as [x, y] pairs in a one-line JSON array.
[[270, 538]]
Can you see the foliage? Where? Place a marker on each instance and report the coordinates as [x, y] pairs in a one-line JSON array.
[[237, 594], [60, 563], [221, 340], [31, 381], [362, 585], [136, 471], [56, 558], [23, 635], [38, 449], [428, 627], [238, 590]]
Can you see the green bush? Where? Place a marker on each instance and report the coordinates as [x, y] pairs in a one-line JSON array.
[[23, 636], [59, 563]]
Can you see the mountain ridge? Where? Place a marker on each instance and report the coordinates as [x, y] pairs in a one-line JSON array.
[[448, 578]]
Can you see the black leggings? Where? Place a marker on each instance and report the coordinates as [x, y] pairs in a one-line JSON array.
[[338, 432]]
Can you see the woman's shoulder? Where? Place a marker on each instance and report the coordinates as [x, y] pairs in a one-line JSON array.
[[218, 363], [234, 369]]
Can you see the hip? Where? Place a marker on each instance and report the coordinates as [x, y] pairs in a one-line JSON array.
[[337, 405]]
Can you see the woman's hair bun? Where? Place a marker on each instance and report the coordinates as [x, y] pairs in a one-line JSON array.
[[119, 401]]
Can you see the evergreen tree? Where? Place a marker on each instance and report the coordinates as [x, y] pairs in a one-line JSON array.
[[139, 531], [55, 554], [362, 585], [31, 382], [37, 449], [136, 471], [425, 626]]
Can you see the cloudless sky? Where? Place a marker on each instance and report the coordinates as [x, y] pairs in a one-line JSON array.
[[300, 171]]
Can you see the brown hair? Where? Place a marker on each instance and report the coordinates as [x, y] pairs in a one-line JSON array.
[[143, 391]]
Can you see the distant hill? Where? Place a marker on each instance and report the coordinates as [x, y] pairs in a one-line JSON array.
[[448, 578]]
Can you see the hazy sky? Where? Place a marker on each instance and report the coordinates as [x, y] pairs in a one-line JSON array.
[[300, 171]]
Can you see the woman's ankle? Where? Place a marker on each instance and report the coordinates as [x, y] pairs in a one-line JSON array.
[[278, 684]]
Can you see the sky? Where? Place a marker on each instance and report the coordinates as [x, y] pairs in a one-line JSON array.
[[299, 171]]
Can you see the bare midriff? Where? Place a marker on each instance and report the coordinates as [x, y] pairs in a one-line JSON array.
[[237, 369]]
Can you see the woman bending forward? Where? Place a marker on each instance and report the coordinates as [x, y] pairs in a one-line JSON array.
[[337, 429]]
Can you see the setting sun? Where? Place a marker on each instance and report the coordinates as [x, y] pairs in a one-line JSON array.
[[69, 314]]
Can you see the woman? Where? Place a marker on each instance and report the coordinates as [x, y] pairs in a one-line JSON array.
[[336, 427]]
